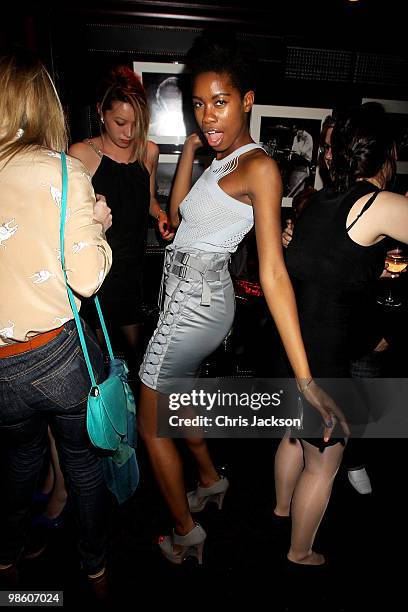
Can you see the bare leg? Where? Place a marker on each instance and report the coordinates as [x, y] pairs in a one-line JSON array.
[[207, 472], [166, 462], [289, 464], [58, 497], [310, 499]]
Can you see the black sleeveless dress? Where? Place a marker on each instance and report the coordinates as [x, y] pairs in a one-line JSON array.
[[126, 188], [333, 277]]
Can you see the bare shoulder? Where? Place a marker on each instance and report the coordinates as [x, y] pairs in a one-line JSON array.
[[257, 161], [386, 203], [261, 170], [152, 151], [78, 149], [385, 198], [389, 216], [86, 154]]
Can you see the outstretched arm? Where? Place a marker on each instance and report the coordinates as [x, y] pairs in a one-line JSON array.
[[266, 194], [265, 191]]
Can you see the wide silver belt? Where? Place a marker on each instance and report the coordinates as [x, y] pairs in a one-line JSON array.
[[188, 267]]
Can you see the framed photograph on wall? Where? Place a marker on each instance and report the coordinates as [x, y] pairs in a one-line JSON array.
[[167, 88], [290, 135], [398, 109]]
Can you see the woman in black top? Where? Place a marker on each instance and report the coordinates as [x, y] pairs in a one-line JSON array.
[[123, 165], [338, 248]]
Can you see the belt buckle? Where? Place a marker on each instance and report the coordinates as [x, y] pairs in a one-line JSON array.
[[182, 273]]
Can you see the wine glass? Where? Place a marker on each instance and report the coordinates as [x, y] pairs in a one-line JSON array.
[[396, 261]]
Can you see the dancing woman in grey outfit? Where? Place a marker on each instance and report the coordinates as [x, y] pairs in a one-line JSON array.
[[198, 304]]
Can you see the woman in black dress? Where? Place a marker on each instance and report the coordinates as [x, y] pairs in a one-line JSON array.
[[123, 165], [337, 251]]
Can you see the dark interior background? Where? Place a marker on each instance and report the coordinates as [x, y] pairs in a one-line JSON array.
[[318, 54], [313, 54]]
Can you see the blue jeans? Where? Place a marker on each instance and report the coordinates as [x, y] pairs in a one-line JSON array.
[[49, 386]]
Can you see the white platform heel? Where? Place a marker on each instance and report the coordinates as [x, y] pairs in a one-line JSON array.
[[192, 545], [201, 496]]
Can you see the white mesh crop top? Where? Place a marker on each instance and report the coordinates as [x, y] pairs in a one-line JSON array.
[[212, 220]]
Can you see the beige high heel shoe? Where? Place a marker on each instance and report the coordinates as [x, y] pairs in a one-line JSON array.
[[192, 545], [198, 499]]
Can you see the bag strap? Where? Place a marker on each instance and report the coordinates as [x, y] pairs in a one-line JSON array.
[[69, 290]]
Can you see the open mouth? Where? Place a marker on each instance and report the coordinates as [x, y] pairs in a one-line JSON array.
[[214, 138]]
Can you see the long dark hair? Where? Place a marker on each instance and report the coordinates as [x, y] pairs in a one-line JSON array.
[[363, 145]]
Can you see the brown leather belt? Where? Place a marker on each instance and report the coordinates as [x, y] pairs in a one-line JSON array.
[[33, 343]]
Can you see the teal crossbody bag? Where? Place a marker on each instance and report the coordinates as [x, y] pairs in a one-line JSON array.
[[107, 411]]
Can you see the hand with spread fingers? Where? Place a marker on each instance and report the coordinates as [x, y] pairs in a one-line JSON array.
[[327, 407]]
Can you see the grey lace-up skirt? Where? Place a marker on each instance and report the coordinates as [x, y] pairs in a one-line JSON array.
[[198, 307]]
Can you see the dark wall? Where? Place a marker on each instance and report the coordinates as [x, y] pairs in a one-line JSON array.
[[360, 52], [317, 54]]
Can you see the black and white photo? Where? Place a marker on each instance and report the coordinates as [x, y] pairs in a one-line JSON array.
[[168, 93], [290, 135]]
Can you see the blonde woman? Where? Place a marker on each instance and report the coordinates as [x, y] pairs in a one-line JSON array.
[[43, 378]]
